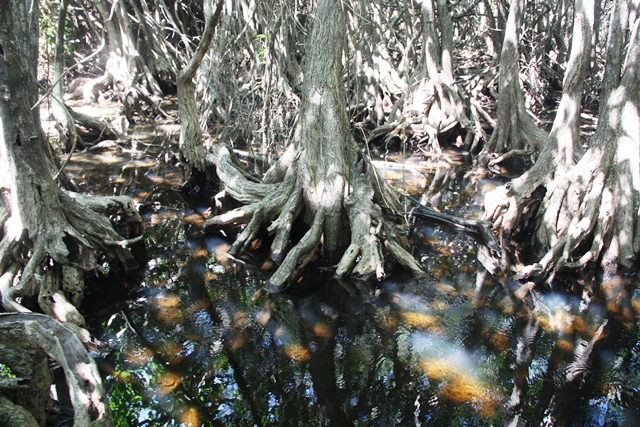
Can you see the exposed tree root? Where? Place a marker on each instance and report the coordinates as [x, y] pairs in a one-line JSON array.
[[49, 264], [516, 132], [64, 247], [36, 331], [433, 108], [275, 206], [588, 211]]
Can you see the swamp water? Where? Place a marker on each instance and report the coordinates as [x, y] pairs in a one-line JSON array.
[[192, 342]]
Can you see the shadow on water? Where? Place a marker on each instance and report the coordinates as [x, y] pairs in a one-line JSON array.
[[197, 343]]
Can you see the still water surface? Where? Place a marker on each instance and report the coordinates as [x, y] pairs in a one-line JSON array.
[[191, 341]]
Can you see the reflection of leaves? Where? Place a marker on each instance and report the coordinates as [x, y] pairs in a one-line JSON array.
[[5, 371]]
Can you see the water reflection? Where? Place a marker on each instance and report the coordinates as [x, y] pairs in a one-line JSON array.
[[198, 343]]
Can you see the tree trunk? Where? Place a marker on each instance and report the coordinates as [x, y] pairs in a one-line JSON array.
[[432, 105], [323, 139], [590, 210], [191, 136], [515, 133], [58, 233], [126, 66], [320, 175]]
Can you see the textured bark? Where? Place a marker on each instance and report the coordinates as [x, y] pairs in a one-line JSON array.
[[12, 415], [589, 213], [49, 233], [30, 363], [323, 139], [515, 131], [191, 136], [432, 104], [39, 333], [320, 175]]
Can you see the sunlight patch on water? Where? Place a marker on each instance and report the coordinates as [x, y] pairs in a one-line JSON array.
[[190, 417], [167, 382], [297, 352], [455, 370]]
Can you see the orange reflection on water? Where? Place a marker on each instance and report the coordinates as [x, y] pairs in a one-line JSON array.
[[172, 352], [195, 219], [297, 352], [168, 308], [457, 386], [209, 276], [189, 417], [200, 253], [499, 341], [167, 382], [138, 356], [322, 330], [445, 288], [390, 322], [565, 345], [418, 320]]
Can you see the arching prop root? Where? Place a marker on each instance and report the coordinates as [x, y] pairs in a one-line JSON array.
[[33, 332], [588, 215], [435, 108], [64, 248], [276, 206]]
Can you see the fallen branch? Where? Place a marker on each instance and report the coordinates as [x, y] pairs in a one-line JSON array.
[[478, 229]]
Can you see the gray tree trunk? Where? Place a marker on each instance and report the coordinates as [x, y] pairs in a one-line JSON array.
[[323, 138], [515, 133], [590, 211], [191, 147], [63, 231], [320, 174]]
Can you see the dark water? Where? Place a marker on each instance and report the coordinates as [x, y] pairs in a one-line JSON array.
[[195, 343]]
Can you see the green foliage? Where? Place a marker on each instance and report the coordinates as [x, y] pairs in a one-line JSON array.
[[6, 372]]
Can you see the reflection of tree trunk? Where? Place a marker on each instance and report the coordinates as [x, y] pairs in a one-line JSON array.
[[571, 372], [566, 388], [248, 394], [527, 328], [323, 374], [322, 367]]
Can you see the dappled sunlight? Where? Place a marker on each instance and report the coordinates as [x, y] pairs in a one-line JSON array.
[[195, 219], [297, 352], [200, 253], [455, 370], [554, 314], [322, 330], [138, 356], [167, 382], [202, 329], [171, 351], [190, 417], [419, 320], [169, 308]]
